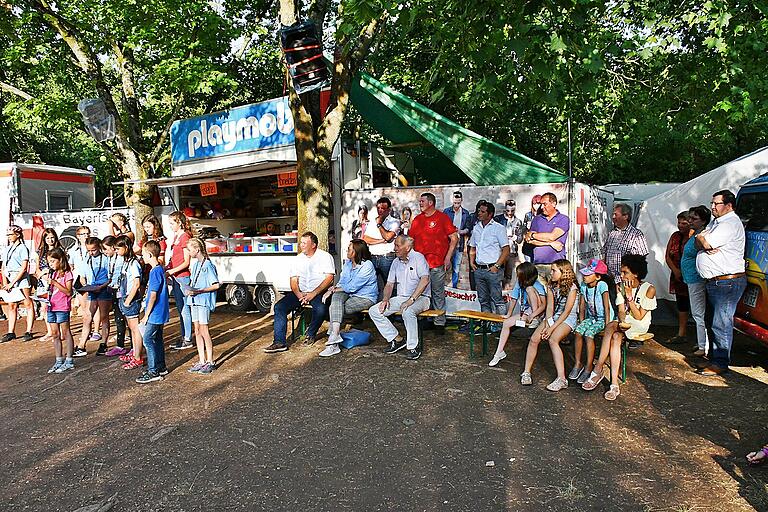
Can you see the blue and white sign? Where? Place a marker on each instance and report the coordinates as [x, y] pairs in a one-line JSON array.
[[243, 129]]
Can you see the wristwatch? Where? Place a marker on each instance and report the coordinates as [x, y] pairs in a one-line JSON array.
[[379, 225], [497, 266]]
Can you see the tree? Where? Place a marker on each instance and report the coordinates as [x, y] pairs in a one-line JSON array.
[[148, 62], [358, 23]]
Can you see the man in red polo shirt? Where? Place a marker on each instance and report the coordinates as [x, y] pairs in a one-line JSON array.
[[434, 236]]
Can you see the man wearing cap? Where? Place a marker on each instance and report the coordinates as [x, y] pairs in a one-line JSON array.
[[434, 236], [488, 250], [514, 227], [379, 234], [720, 262], [15, 279], [460, 218]]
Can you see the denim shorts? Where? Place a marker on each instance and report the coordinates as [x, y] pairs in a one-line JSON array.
[[200, 314], [132, 310], [104, 294], [57, 317]]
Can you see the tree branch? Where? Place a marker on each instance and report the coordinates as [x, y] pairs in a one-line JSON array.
[[13, 90], [130, 102], [163, 136]]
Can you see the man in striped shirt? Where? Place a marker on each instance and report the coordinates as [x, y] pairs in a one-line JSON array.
[[623, 239]]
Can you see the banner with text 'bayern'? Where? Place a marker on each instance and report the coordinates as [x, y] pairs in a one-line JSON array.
[[263, 125]]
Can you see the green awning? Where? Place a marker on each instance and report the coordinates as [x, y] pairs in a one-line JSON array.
[[444, 152]]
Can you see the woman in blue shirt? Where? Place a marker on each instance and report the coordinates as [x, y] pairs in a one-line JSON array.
[[16, 281], [698, 218], [357, 290]]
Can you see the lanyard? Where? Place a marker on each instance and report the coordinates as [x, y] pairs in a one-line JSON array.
[[10, 252], [52, 289], [591, 304], [90, 264], [112, 264], [199, 269]]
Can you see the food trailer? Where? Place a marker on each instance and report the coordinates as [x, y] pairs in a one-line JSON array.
[[234, 176]]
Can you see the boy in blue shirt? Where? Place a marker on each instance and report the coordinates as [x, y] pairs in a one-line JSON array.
[[156, 314]]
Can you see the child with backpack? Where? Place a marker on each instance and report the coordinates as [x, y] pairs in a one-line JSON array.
[[595, 313], [60, 303], [201, 298], [156, 315]]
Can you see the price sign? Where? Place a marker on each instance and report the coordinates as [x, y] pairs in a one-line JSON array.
[[208, 189], [286, 179]]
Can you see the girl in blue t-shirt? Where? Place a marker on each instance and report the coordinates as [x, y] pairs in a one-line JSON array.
[[201, 299], [531, 296], [594, 312], [129, 299]]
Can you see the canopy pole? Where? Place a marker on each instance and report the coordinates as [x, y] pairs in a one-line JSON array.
[[570, 154]]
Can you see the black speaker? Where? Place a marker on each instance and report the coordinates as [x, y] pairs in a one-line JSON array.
[[303, 52]]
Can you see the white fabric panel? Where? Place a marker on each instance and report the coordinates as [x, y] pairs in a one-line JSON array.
[[658, 215]]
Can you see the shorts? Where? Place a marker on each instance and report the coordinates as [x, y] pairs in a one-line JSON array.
[[22, 283], [683, 303], [590, 327], [132, 310], [57, 317], [200, 314], [572, 319], [104, 294]]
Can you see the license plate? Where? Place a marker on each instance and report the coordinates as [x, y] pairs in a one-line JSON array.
[[750, 296]]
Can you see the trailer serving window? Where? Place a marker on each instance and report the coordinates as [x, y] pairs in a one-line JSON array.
[[58, 200]]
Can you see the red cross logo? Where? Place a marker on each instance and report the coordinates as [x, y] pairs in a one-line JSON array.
[[582, 218]]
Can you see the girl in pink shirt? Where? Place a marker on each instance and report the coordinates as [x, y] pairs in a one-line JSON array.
[[60, 297]]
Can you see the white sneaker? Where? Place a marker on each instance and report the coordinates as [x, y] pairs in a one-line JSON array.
[[497, 357], [333, 339], [557, 384], [330, 350], [525, 379]]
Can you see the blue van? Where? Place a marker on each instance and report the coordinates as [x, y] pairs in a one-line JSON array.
[[752, 207]]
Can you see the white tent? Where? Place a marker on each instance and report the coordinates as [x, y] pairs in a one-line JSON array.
[[658, 215]]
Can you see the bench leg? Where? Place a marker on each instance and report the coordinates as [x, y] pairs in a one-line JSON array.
[[485, 338], [624, 362], [471, 338]]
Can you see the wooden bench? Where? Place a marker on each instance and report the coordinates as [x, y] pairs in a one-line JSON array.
[[482, 317], [623, 327]]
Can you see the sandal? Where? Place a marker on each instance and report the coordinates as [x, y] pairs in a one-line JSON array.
[[759, 457], [612, 393], [134, 363], [593, 380]]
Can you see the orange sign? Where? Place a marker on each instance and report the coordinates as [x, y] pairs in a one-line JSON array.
[[286, 179], [208, 189]]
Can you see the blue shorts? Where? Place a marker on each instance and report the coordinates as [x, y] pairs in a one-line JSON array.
[[104, 294], [57, 317], [200, 314], [132, 310]]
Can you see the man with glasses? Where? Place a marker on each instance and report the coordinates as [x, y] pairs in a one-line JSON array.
[[623, 239], [460, 218], [720, 262], [514, 228]]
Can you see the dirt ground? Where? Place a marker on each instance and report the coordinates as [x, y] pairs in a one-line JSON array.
[[367, 431]]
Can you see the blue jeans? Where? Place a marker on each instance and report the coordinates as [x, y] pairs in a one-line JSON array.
[[153, 342], [489, 290], [291, 302], [382, 264], [722, 298], [185, 325], [455, 266]]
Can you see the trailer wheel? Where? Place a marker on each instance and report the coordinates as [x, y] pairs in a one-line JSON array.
[[263, 298], [239, 296]]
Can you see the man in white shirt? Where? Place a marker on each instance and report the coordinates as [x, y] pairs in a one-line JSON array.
[[488, 250], [721, 262], [410, 272], [379, 235], [311, 275]]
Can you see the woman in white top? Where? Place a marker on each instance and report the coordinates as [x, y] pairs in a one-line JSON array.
[[634, 303]]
